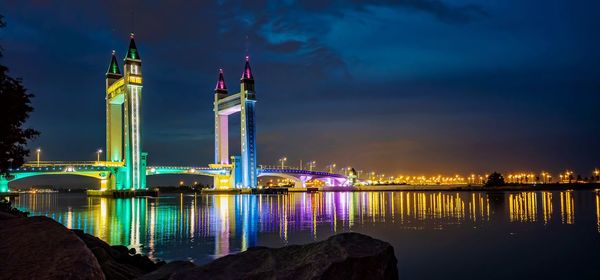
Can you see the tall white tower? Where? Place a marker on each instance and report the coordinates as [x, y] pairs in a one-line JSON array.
[[225, 105]]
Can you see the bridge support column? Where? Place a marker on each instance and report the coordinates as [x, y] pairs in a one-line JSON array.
[[299, 184], [3, 185], [223, 182], [104, 184], [302, 182]]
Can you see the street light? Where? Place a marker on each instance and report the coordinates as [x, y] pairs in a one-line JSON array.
[[331, 167], [38, 152], [312, 165], [282, 160], [98, 152]]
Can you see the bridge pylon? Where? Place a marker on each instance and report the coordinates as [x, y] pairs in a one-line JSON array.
[[123, 121], [3, 185], [225, 105]]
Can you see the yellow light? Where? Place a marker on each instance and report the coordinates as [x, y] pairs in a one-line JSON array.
[[115, 85], [134, 79]]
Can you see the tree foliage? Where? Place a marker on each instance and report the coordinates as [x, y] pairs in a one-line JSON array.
[[495, 180], [15, 106]]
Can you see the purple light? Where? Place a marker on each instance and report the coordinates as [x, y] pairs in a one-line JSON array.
[[221, 82], [247, 74]]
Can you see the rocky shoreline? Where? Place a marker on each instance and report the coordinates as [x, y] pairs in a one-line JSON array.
[[41, 248]]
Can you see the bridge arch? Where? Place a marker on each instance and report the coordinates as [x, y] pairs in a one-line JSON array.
[[102, 175]]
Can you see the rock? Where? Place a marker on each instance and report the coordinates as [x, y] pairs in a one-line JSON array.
[[95, 242], [121, 250], [120, 271], [101, 255], [165, 271], [143, 262], [343, 256], [123, 263], [6, 216], [40, 248]]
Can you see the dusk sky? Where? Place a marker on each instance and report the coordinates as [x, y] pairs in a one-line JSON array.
[[414, 86]]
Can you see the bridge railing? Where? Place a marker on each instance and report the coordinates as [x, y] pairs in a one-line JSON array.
[[278, 167], [287, 169], [72, 163], [182, 167]]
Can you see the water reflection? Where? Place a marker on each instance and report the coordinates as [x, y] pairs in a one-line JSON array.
[[567, 207], [216, 225], [598, 210]]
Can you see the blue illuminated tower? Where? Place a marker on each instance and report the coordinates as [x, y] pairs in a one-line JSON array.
[[248, 133]]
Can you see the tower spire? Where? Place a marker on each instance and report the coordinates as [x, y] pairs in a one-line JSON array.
[[113, 67], [221, 82], [132, 52], [247, 74]]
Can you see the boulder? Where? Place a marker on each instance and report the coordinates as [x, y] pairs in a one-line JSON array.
[[343, 256], [115, 270], [118, 261], [167, 270], [40, 248]]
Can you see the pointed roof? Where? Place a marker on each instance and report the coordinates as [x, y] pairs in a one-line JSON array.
[[132, 52], [221, 82], [113, 68], [247, 74]]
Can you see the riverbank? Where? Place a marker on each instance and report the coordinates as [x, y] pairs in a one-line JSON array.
[[41, 248]]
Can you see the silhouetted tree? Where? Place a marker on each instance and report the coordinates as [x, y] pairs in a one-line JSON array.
[[579, 178], [15, 106], [494, 180]]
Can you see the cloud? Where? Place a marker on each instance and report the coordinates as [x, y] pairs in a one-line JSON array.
[[454, 14]]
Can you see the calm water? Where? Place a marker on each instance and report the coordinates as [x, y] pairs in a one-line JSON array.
[[467, 235]]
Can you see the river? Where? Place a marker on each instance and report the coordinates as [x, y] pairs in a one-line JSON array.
[[471, 235]]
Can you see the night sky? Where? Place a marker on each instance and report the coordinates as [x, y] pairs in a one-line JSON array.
[[414, 86]]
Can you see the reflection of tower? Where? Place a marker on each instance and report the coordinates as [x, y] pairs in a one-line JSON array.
[[225, 105], [224, 223], [123, 128]]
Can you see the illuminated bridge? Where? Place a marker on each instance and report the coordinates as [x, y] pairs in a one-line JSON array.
[[103, 170], [125, 167]]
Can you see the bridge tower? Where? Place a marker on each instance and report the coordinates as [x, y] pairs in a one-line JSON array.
[[123, 121], [225, 105]]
